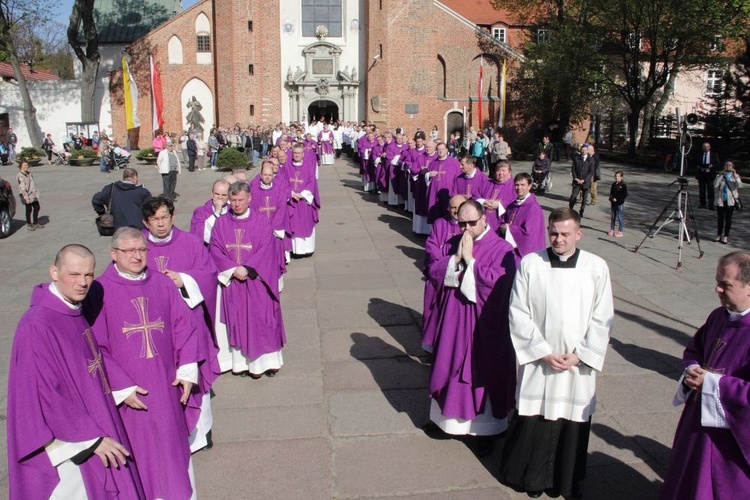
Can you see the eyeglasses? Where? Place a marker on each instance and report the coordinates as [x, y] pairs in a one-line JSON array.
[[163, 218], [471, 223], [132, 251]]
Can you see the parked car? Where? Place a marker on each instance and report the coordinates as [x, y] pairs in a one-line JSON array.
[[7, 207]]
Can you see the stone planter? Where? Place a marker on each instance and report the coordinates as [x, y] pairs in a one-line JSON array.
[[82, 162], [33, 162], [149, 160]]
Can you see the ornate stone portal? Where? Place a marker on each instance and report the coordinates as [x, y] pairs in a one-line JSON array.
[[322, 84]]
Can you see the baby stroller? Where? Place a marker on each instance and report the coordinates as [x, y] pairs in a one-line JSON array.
[[60, 156], [541, 181], [117, 158], [4, 156]]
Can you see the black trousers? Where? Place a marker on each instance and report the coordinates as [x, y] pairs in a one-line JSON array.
[[578, 188], [724, 216], [169, 183], [191, 163], [706, 188], [34, 205]]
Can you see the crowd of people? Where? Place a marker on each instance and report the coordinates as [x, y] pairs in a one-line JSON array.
[[517, 318]]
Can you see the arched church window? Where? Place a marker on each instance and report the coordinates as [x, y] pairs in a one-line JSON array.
[[203, 43], [322, 12], [174, 50]]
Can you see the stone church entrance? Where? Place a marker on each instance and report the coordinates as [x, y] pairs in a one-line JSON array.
[[323, 110]]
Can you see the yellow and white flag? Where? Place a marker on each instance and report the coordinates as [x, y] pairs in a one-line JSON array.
[[131, 97]]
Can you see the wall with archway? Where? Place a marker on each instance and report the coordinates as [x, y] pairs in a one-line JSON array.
[[196, 87]]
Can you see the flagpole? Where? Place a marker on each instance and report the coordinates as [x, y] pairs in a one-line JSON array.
[[480, 89]]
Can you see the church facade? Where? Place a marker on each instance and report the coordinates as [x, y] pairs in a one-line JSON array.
[[409, 63]]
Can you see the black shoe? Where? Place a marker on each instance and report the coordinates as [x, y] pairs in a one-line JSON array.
[[534, 494], [209, 441], [484, 446], [271, 373]]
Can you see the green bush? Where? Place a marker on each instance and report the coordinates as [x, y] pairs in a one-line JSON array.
[[31, 152], [230, 158], [83, 153], [146, 153]]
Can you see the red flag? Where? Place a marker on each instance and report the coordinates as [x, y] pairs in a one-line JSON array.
[[480, 89], [157, 100]]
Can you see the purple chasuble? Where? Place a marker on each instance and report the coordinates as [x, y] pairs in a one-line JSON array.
[[251, 308], [395, 177], [527, 225], [366, 167], [272, 202], [58, 389], [504, 192], [185, 253], [418, 169], [325, 139], [473, 356], [145, 333], [440, 185], [198, 221], [471, 188], [302, 215], [710, 462], [406, 160], [436, 247], [381, 169]]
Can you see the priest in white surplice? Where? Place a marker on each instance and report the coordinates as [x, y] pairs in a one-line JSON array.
[[561, 316]]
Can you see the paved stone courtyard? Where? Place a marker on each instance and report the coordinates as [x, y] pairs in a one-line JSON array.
[[342, 419]]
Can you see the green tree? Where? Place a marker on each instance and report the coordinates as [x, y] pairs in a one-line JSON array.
[[84, 40], [14, 14]]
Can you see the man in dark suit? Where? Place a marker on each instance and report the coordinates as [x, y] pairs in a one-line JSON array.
[[582, 171], [192, 151], [708, 166]]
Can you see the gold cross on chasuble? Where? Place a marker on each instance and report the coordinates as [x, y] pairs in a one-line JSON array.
[[296, 180], [162, 263], [709, 365], [95, 365], [238, 246], [145, 327], [267, 208]]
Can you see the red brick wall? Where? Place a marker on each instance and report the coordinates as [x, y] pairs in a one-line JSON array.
[[414, 35]]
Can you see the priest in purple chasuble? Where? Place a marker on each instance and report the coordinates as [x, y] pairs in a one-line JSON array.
[[251, 329], [151, 351], [269, 196], [500, 193], [472, 385], [523, 225], [418, 171], [381, 166], [711, 449], [205, 215], [325, 141], [408, 160], [304, 202], [367, 167], [393, 152], [439, 179], [471, 182], [65, 436], [183, 258], [436, 247]]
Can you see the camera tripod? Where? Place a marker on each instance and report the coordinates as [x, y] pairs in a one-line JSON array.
[[682, 213]]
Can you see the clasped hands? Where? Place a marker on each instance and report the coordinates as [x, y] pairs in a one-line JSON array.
[[465, 250], [242, 273], [561, 362], [694, 376]]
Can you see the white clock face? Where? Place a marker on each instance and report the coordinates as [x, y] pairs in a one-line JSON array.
[[288, 27]]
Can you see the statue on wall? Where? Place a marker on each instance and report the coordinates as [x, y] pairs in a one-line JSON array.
[[355, 76], [299, 74], [194, 116], [289, 75]]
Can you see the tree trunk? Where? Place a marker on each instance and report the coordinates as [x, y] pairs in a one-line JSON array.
[[82, 16], [657, 111], [29, 111], [633, 120]]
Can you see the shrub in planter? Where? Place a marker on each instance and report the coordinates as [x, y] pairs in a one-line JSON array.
[[230, 158], [145, 154], [79, 154], [31, 153]]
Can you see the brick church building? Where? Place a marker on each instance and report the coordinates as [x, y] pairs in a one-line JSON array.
[[409, 63]]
